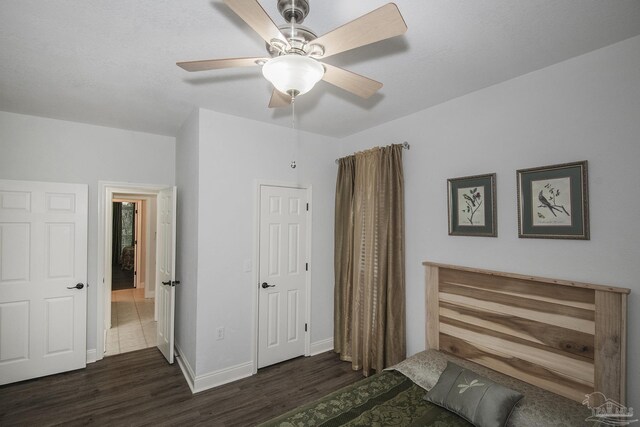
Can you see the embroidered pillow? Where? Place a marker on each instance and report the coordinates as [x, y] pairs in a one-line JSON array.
[[479, 400]]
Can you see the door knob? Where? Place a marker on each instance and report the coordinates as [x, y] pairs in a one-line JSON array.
[[77, 286], [171, 283], [265, 285]]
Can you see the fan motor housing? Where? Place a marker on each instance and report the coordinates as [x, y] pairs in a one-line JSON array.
[[290, 9], [299, 39]]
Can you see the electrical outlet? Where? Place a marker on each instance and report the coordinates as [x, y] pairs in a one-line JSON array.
[[220, 332]]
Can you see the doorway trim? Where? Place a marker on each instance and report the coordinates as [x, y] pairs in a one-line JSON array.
[[106, 190], [258, 184]]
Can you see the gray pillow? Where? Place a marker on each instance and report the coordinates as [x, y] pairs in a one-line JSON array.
[[479, 400]]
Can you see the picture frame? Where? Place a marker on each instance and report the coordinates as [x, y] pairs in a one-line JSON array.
[[553, 202], [472, 206]]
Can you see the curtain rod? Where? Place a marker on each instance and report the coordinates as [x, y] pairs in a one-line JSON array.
[[405, 145]]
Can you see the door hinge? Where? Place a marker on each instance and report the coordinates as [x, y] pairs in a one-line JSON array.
[[306, 266], [135, 273], [307, 207], [305, 327]]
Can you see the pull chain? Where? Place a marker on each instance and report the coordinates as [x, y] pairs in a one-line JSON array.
[[293, 132], [293, 98]]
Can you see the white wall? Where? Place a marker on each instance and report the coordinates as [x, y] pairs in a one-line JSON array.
[[39, 149], [586, 108], [187, 172], [235, 152]]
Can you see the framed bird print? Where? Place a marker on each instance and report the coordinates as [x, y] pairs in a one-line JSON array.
[[472, 206], [553, 202]]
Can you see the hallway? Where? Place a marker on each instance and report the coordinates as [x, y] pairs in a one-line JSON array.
[[132, 324]]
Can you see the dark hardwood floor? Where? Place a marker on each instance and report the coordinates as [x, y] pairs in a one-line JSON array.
[[140, 388]]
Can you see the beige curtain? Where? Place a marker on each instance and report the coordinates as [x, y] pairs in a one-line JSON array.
[[369, 315]]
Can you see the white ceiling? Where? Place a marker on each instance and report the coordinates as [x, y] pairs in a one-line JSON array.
[[112, 62]]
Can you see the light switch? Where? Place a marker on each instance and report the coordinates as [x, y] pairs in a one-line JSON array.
[[246, 266]]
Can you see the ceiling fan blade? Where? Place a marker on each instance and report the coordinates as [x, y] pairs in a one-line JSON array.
[[380, 24], [279, 99], [351, 82], [258, 19], [216, 64]]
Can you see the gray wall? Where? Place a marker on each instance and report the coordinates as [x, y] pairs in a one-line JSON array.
[[187, 170], [586, 108], [39, 149], [234, 153]]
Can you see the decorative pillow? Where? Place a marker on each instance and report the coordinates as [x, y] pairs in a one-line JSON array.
[[479, 400], [423, 368]]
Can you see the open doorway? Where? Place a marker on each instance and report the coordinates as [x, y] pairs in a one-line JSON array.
[[159, 209], [132, 298]]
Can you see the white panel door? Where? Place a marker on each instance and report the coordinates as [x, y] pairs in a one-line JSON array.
[[43, 274], [282, 289], [166, 271]]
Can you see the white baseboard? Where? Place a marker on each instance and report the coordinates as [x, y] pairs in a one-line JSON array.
[[212, 379], [222, 376], [186, 369], [321, 346], [92, 355]]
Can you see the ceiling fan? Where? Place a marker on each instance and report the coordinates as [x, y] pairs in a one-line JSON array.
[[294, 50]]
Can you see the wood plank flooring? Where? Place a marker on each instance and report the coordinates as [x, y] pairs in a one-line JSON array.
[[140, 388]]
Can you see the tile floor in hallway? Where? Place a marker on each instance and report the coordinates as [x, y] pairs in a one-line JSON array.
[[132, 324]]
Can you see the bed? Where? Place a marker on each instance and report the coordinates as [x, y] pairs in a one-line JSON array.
[[553, 341]]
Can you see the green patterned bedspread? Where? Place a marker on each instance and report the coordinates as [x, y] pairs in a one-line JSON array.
[[386, 399]]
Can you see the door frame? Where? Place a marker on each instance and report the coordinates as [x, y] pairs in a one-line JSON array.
[[258, 184], [106, 191]]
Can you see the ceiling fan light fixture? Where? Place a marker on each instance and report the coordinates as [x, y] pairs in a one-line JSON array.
[[293, 74]]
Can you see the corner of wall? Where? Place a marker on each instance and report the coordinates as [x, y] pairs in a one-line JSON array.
[[321, 346], [92, 355], [185, 367], [222, 376], [186, 169]]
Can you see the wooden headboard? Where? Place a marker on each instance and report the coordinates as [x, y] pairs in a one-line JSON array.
[[562, 336]]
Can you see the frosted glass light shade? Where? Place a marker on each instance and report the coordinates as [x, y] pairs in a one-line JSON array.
[[293, 74]]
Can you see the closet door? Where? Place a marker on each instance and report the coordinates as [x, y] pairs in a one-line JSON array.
[[282, 293], [43, 279]]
